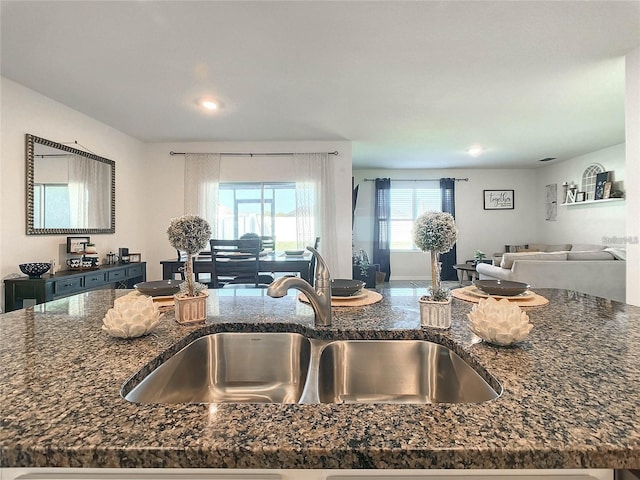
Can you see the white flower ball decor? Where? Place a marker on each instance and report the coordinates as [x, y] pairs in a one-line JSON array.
[[435, 232], [191, 234], [499, 322], [132, 316]]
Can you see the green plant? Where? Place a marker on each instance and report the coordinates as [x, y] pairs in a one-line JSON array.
[[361, 260], [197, 288], [479, 256], [190, 234], [435, 232]]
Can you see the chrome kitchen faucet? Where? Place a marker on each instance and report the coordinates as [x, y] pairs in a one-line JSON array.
[[320, 297]]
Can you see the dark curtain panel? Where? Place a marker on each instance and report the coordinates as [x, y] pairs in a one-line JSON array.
[[448, 260], [354, 200], [382, 227]]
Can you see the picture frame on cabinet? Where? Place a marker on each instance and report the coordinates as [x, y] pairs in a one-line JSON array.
[[77, 244], [135, 258]]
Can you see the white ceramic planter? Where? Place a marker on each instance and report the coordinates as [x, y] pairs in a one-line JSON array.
[[191, 309], [435, 314]]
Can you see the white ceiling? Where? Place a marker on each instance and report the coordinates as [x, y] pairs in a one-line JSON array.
[[411, 84]]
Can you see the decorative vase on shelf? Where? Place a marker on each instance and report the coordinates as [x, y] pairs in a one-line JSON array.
[[190, 309], [435, 314]]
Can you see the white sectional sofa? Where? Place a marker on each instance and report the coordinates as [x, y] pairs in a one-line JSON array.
[[593, 269]]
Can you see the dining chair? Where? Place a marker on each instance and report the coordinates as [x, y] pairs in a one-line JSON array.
[[203, 271], [237, 262], [268, 243]]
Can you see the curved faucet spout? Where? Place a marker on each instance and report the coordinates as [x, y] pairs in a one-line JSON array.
[[319, 298]]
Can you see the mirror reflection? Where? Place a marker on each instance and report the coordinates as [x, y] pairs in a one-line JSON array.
[[68, 190]]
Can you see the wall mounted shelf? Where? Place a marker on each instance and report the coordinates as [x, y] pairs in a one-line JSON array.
[[591, 202]]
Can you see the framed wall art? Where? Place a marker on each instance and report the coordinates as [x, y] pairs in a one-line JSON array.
[[589, 180], [498, 199], [601, 180], [552, 202]]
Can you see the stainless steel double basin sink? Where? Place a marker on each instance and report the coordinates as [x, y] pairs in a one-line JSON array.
[[292, 368]]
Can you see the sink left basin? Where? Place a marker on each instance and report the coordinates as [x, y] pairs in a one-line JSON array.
[[231, 367]]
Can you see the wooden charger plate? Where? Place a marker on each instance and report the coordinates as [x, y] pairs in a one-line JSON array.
[[533, 300], [164, 302], [367, 297]]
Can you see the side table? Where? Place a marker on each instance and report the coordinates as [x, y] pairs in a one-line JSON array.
[[465, 269]]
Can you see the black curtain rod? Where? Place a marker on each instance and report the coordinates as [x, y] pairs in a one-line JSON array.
[[416, 179], [235, 154]]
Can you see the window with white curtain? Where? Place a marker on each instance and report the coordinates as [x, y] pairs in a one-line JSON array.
[[409, 199], [51, 204], [266, 209]]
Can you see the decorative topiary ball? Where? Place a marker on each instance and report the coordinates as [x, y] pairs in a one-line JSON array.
[[189, 233], [435, 232]]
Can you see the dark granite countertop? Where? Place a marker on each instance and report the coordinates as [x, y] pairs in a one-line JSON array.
[[571, 394]]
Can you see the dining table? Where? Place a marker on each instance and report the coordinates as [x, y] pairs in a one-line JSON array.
[[270, 262]]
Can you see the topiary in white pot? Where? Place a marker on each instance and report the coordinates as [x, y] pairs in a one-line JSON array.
[[190, 234], [435, 232]]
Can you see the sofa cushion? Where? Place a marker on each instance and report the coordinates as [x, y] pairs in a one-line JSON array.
[[561, 247], [601, 255], [522, 248], [509, 258], [586, 247]]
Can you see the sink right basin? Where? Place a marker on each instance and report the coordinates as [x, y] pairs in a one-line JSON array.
[[397, 371]]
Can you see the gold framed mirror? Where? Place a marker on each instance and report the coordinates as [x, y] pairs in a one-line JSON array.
[[69, 191]]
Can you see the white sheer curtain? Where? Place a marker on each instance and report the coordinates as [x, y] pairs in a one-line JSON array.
[[89, 192], [315, 205], [201, 179]]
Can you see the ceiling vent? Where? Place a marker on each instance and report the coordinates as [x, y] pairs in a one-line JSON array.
[[548, 159]]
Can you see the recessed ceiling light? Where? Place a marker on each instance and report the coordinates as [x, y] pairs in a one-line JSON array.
[[475, 150], [209, 104]]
